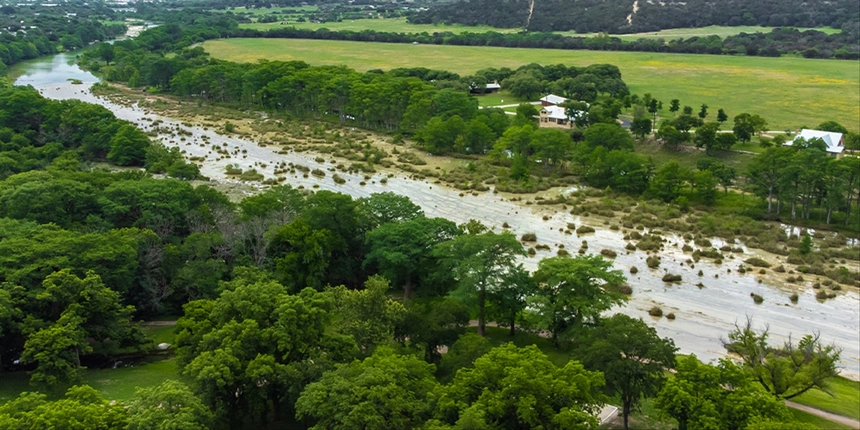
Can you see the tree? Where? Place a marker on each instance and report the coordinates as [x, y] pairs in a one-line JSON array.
[[805, 245], [256, 346], [514, 388], [722, 116], [167, 406], [106, 52], [463, 353], [712, 397], [706, 135], [508, 300], [703, 112], [688, 110], [641, 127], [573, 292], [432, 323], [832, 126], [766, 171], [523, 85], [670, 135], [480, 263], [403, 251], [667, 182], [381, 392], [609, 136], [674, 106], [746, 126], [128, 146], [82, 408], [368, 315], [787, 371], [552, 147], [632, 357], [385, 207]]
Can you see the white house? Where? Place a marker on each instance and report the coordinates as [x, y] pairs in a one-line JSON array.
[[554, 114], [552, 100], [834, 142]]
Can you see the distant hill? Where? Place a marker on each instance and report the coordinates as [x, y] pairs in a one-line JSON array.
[[633, 16]]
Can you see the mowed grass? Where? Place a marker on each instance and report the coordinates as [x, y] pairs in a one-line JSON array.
[[805, 417], [788, 92], [713, 30], [844, 401]]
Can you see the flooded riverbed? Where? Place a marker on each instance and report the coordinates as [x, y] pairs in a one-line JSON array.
[[703, 315]]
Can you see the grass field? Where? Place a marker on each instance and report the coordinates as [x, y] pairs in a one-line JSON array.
[[845, 400], [804, 417], [399, 25], [788, 92]]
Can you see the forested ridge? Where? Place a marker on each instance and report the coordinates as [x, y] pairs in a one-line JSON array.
[[584, 16]]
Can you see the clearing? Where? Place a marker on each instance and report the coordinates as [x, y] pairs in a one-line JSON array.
[[789, 92]]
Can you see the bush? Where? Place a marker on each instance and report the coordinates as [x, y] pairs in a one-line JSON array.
[[671, 278], [757, 262], [318, 172], [634, 270], [584, 229], [338, 179], [625, 289], [757, 298], [608, 253], [653, 261], [821, 295], [655, 312], [794, 297], [563, 253], [670, 316], [779, 269], [687, 248], [528, 237]]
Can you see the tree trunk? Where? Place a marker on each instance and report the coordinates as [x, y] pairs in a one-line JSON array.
[[513, 326], [793, 209], [626, 414], [482, 292], [829, 213], [769, 198], [407, 289]]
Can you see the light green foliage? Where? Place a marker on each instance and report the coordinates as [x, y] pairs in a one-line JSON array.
[[368, 315], [524, 85], [256, 340], [667, 182], [805, 246], [480, 263], [511, 388], [571, 292], [382, 392], [706, 136], [381, 208], [402, 250], [784, 371], [713, 397], [609, 136], [746, 126], [168, 406], [632, 358], [128, 146], [83, 408]]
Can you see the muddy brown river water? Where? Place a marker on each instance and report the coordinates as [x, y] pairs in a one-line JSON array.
[[703, 315]]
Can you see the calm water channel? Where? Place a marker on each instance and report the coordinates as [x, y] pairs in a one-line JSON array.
[[703, 315]]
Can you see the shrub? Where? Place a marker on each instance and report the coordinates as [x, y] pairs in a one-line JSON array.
[[528, 237], [670, 316], [531, 251], [505, 225], [757, 298], [702, 242], [584, 229], [634, 270], [563, 253], [779, 269], [608, 253], [821, 295], [794, 297], [701, 273], [671, 278], [630, 247], [655, 312], [687, 248], [338, 179], [757, 262], [653, 261], [625, 289], [318, 172]]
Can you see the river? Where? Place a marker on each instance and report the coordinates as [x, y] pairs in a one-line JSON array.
[[704, 315]]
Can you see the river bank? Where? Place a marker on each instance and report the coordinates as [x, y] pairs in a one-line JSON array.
[[703, 314]]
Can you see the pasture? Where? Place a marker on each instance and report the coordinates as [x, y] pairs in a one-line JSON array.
[[399, 25], [788, 92]]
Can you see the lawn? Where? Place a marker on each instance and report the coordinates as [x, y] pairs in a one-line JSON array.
[[845, 400], [114, 384], [788, 92], [713, 30], [500, 98]]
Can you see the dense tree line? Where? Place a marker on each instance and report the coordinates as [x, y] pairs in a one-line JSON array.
[[31, 31], [585, 16]]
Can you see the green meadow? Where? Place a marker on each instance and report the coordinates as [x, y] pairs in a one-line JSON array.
[[399, 25], [789, 92]]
